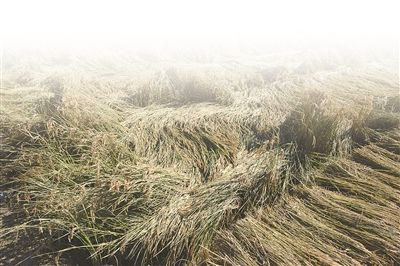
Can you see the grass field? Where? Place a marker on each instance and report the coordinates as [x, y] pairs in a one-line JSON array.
[[252, 159]]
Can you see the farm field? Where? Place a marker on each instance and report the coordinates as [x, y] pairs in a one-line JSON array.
[[232, 158]]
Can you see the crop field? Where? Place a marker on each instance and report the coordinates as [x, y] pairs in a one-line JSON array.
[[250, 158]]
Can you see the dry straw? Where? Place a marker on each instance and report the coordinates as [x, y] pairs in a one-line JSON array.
[[183, 171]]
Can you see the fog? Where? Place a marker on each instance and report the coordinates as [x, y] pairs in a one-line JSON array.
[[179, 24]]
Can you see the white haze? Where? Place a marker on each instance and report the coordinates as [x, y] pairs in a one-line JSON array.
[[45, 23]]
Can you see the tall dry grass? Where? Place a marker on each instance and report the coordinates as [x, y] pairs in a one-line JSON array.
[[300, 167]]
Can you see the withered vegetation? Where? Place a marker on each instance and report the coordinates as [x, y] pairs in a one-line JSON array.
[[207, 166]]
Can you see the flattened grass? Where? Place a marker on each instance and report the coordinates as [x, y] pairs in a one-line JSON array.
[[168, 176]]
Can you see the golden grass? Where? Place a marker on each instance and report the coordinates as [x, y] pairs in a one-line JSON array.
[[184, 169]]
